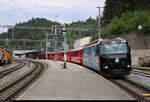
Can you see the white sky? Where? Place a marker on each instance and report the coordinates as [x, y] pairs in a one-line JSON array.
[[67, 10]]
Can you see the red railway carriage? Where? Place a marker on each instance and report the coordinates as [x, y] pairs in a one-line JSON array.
[[68, 56], [76, 56], [60, 56], [72, 56], [55, 55], [51, 55]]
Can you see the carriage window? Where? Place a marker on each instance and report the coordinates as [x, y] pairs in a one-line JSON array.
[[113, 48], [75, 53]]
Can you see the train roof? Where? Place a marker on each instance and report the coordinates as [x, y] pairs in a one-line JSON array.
[[93, 43], [76, 49]]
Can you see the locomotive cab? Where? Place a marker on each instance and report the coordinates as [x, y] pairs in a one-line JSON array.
[[115, 57]]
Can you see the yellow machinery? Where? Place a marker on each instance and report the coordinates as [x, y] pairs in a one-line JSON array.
[[5, 56]]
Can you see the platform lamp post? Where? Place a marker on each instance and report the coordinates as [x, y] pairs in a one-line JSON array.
[[65, 45], [46, 37], [55, 32]]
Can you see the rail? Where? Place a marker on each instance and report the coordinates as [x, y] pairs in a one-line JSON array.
[[132, 88], [15, 87]]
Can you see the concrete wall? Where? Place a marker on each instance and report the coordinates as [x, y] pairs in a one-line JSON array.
[[136, 54]]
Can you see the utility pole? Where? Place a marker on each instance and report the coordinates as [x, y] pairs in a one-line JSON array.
[[79, 38], [56, 16], [55, 38], [46, 38], [99, 18], [65, 46], [13, 43]]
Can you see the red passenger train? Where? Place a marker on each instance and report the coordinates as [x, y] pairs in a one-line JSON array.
[[72, 56], [110, 57]]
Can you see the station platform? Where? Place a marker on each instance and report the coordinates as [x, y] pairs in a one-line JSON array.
[[74, 83]]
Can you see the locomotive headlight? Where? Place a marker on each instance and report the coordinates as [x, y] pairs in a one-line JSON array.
[[128, 66], [106, 67]]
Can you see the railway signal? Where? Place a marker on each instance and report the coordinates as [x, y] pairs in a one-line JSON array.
[[140, 27]]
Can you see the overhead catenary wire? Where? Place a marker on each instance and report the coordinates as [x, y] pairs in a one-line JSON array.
[[19, 8], [45, 28]]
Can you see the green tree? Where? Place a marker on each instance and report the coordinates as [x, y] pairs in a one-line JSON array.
[[115, 8]]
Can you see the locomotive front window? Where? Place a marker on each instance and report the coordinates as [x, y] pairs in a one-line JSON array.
[[113, 48]]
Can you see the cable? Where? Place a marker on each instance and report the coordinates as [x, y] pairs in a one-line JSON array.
[[19, 8]]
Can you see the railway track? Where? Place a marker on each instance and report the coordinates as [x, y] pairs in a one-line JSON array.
[[11, 69], [141, 93], [141, 72], [10, 90], [136, 89], [141, 68]]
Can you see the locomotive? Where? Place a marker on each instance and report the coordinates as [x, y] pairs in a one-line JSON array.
[[109, 57]]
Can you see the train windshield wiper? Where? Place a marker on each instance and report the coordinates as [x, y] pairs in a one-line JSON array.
[[116, 49], [110, 44]]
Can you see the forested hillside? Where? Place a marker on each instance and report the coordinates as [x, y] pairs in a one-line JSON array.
[[30, 33], [115, 8], [75, 30]]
